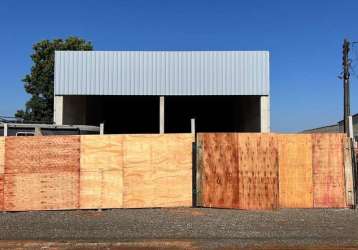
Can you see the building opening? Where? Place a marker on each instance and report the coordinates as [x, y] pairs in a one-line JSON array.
[[212, 113], [140, 114]]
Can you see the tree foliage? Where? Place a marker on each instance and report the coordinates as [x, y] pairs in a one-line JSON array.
[[40, 82]]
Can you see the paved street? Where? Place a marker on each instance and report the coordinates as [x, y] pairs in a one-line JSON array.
[[182, 229]]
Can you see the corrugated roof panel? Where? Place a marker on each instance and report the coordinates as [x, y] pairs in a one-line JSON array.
[[162, 73]]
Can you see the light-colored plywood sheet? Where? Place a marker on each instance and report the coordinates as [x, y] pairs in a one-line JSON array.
[[220, 170], [172, 176], [101, 189], [2, 155], [258, 171], [137, 172], [90, 189], [101, 152], [295, 171], [151, 163], [41, 191], [42, 154], [112, 189], [328, 170]]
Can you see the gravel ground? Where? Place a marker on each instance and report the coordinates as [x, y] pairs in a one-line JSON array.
[[182, 228]]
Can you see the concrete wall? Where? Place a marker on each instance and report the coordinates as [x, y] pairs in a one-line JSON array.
[[58, 110], [70, 110], [265, 114]]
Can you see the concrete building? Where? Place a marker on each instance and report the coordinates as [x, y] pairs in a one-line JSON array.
[[160, 91]]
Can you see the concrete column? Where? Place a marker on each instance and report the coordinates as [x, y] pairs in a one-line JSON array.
[[101, 128], [58, 110], [192, 126], [265, 114], [5, 129], [161, 115], [38, 131]]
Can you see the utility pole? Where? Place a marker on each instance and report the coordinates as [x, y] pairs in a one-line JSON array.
[[346, 76]]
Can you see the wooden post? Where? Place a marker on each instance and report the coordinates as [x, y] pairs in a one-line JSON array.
[[348, 171], [161, 115], [5, 129], [198, 168]]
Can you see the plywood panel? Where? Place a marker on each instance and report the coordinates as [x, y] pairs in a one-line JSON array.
[[101, 189], [112, 189], [151, 162], [295, 171], [1, 192], [172, 164], [348, 171], [42, 154], [2, 155], [220, 187], [41, 191], [101, 152], [90, 189], [137, 172], [258, 171], [328, 173]]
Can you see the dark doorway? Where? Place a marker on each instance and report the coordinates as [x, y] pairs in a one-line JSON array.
[[212, 113], [124, 114], [140, 114]]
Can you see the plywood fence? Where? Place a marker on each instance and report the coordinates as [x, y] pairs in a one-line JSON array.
[[93, 171], [268, 171], [247, 171]]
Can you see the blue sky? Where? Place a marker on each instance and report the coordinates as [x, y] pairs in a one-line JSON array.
[[304, 38]]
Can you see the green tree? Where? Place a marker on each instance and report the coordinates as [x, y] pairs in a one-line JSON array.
[[40, 82]]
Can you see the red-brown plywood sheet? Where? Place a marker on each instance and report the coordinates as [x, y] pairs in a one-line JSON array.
[[2, 155], [1, 192], [41, 191], [42, 154], [258, 171], [220, 186], [328, 170], [295, 164]]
